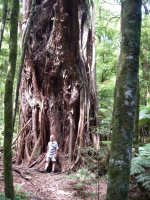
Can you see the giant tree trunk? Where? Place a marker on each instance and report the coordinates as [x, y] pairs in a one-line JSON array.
[[125, 102], [57, 92]]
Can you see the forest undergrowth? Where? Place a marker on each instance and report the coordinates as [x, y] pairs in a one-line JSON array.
[[88, 182]]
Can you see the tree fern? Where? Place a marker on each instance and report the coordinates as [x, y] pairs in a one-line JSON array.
[[140, 166]]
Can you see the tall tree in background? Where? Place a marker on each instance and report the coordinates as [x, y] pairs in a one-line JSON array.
[[136, 122], [125, 102], [3, 21], [8, 102], [145, 57], [57, 92]]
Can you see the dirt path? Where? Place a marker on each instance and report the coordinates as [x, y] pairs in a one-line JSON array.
[[44, 186]]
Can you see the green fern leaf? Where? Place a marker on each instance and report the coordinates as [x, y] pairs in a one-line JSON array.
[[145, 150], [144, 162], [144, 178], [146, 184], [136, 168]]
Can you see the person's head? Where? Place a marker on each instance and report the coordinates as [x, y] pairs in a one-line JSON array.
[[52, 138]]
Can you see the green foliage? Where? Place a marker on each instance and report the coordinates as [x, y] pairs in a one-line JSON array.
[[140, 166], [107, 50], [106, 115], [20, 195], [106, 93], [136, 167], [144, 60], [4, 63], [144, 124], [144, 151], [144, 178], [106, 142], [1, 140], [3, 72], [95, 154], [83, 178], [2, 197], [144, 116], [83, 175], [105, 129]]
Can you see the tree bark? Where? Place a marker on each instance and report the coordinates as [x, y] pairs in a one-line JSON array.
[[125, 102], [57, 77], [3, 21], [8, 97]]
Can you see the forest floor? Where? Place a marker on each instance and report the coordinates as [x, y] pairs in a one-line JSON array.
[[46, 186]]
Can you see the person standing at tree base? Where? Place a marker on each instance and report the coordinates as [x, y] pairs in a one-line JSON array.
[[52, 152]]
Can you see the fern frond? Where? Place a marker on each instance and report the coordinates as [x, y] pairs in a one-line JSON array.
[[140, 166], [146, 184], [145, 150], [136, 168], [145, 162], [144, 178]]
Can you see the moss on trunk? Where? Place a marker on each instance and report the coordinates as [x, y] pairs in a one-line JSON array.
[[3, 21], [8, 101], [125, 102]]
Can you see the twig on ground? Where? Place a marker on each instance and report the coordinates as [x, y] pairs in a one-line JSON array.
[[20, 173]]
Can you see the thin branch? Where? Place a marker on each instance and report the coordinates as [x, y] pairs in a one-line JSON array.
[[112, 13], [21, 131], [107, 2], [110, 20], [145, 8]]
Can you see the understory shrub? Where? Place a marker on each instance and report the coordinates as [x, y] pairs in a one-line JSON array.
[[140, 166]]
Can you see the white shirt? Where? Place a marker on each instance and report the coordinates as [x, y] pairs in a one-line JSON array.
[[52, 148]]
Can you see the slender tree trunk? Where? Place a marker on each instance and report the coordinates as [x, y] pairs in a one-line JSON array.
[[125, 102], [93, 77], [121, 21], [3, 21], [8, 109]]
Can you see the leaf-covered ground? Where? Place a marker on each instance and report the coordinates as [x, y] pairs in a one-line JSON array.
[[44, 186]]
